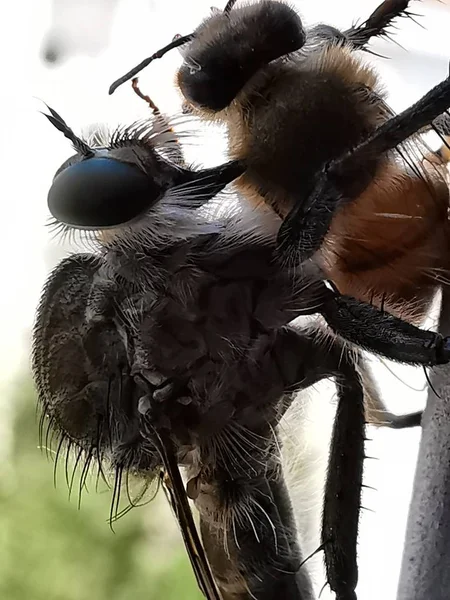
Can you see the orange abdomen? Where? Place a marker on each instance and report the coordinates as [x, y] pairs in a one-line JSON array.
[[390, 245]]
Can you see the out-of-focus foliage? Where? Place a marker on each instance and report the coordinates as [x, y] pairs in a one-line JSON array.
[[50, 550]]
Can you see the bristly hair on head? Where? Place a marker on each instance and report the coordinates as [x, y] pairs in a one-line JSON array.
[[57, 121]]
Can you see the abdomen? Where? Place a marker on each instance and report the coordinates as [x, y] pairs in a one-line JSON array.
[[391, 245]]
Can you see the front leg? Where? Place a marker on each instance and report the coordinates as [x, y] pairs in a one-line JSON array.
[[342, 498]]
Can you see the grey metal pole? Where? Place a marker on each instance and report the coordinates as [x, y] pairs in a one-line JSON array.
[[425, 572]]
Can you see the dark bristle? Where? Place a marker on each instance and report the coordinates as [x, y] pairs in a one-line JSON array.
[[115, 500], [72, 479], [414, 17], [84, 474], [66, 462], [48, 433], [100, 472], [427, 377], [132, 502], [58, 122], [379, 22], [308, 558], [58, 453], [41, 428], [322, 589]]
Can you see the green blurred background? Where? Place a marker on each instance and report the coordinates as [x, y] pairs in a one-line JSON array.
[[51, 550]]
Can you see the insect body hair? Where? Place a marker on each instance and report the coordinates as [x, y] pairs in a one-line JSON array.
[[229, 48], [322, 92], [180, 323], [294, 106], [300, 111]]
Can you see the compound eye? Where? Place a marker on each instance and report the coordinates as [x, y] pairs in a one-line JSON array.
[[101, 192]]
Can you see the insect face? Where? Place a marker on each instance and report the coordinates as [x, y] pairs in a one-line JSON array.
[[121, 179], [114, 183]]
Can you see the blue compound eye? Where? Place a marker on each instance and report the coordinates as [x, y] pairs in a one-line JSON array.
[[101, 192]]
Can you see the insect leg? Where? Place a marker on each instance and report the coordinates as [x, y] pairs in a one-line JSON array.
[[342, 498], [207, 183], [344, 179], [343, 486], [378, 22], [176, 153], [380, 332], [406, 421]]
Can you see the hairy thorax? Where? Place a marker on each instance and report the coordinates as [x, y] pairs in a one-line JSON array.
[[210, 321]]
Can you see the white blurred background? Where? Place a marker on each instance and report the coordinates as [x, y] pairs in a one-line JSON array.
[[66, 53]]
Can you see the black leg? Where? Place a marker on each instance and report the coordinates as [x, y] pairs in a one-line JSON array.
[[379, 332], [405, 421], [378, 22], [344, 179], [198, 187], [343, 486], [345, 471]]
